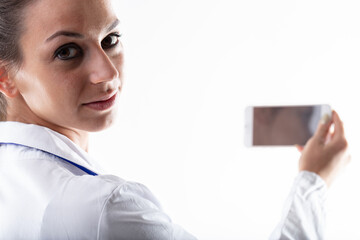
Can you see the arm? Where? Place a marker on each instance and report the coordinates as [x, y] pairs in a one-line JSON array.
[[107, 207], [133, 212], [323, 157]]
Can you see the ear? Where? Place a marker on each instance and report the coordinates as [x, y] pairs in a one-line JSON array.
[[7, 85]]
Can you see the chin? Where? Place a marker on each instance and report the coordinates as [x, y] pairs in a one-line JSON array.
[[101, 123]]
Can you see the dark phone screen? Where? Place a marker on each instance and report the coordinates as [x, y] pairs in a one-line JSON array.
[[284, 125]]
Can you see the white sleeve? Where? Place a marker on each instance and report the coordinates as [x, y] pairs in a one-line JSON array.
[[106, 207], [304, 213], [132, 212]]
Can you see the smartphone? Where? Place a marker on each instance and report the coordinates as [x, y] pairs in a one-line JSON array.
[[282, 125]]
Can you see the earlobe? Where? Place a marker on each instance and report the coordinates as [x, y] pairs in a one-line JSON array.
[[7, 86]]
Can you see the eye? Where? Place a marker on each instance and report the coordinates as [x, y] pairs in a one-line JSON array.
[[68, 52], [110, 41]]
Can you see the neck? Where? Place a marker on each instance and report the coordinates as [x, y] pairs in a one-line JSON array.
[[17, 113]]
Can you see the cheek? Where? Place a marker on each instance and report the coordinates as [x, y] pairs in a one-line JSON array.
[[24, 82], [68, 88], [118, 62], [49, 92]]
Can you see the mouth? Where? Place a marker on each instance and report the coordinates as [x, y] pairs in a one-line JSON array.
[[104, 103]]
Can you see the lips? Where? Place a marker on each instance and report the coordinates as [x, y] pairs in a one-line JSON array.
[[103, 104]]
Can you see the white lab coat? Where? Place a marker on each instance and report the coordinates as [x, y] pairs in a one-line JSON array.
[[51, 189]]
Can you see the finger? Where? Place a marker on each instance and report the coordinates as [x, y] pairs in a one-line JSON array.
[[323, 128], [338, 126], [338, 141], [299, 148]]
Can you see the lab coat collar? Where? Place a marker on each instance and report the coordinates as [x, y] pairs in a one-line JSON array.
[[47, 140]]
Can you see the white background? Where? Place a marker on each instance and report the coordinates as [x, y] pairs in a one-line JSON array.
[[192, 66]]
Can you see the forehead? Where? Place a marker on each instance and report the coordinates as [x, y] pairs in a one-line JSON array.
[[44, 17]]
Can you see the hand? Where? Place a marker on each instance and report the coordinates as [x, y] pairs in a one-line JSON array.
[[326, 153]]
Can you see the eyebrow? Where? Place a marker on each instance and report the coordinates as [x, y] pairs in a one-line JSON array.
[[64, 33], [113, 25], [78, 35]]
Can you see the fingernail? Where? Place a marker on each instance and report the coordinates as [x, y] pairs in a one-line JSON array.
[[325, 119]]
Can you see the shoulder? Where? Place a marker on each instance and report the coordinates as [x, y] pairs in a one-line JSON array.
[[75, 208], [133, 212], [85, 202], [107, 207]]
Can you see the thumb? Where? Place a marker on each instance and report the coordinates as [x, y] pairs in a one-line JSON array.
[[323, 128]]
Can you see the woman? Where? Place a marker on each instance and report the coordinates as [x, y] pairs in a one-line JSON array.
[[60, 77]]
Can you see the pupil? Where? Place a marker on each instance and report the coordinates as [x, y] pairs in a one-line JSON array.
[[109, 41], [65, 52]]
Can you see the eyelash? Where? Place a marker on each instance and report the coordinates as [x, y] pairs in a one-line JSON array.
[[67, 47], [117, 35], [79, 52]]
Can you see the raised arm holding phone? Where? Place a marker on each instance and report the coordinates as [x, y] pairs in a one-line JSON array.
[[323, 156], [326, 152]]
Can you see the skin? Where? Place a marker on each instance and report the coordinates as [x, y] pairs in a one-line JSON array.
[[49, 91], [53, 92], [326, 153]]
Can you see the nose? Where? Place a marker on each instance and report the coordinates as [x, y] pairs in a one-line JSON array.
[[102, 68]]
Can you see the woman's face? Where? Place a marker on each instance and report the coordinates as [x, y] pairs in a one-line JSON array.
[[71, 72]]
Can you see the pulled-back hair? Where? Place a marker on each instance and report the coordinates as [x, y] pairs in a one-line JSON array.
[[11, 26]]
